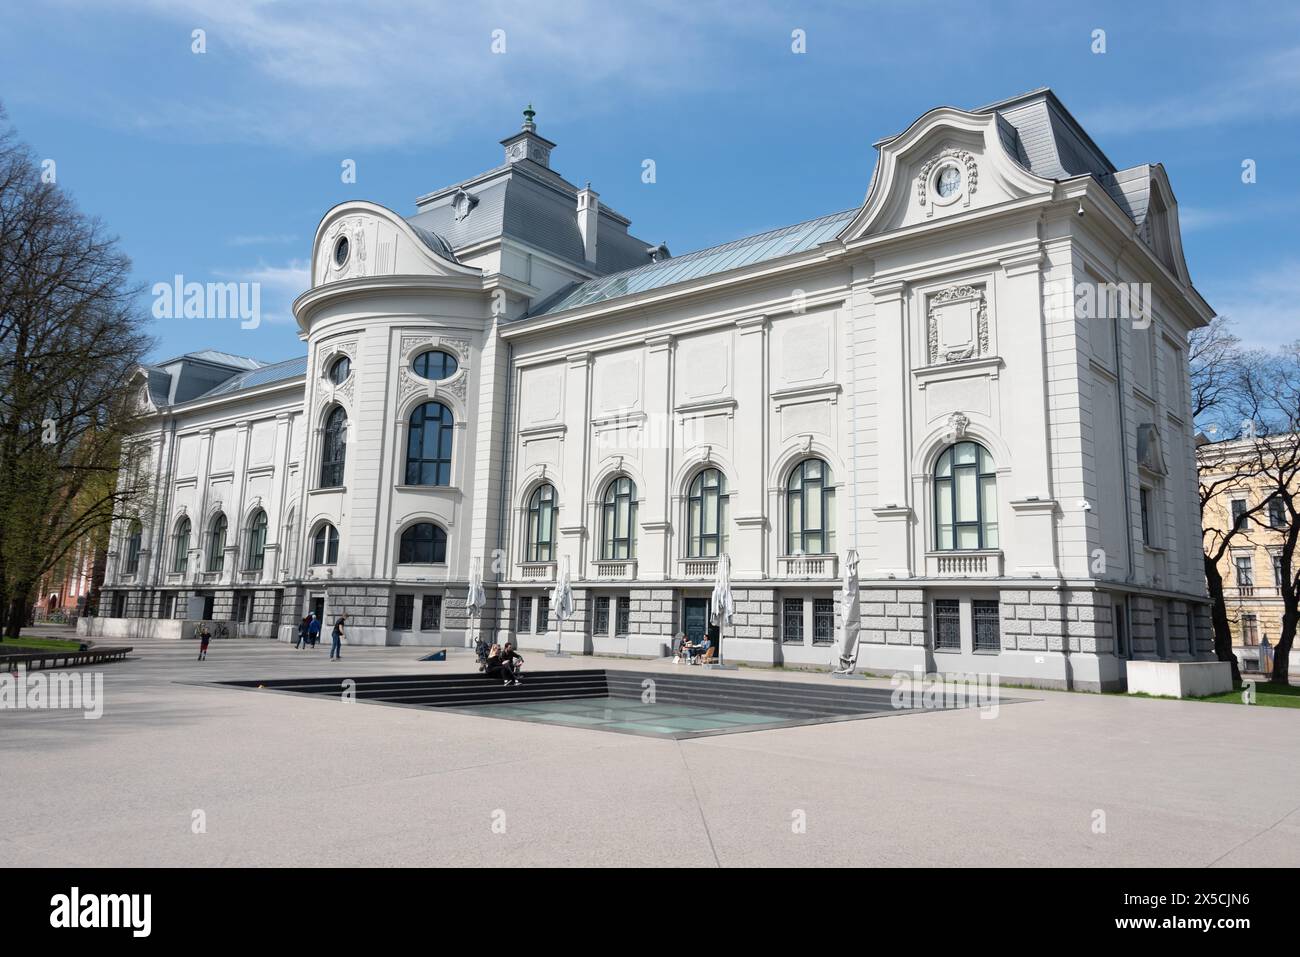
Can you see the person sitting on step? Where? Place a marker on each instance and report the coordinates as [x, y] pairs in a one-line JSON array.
[[496, 668], [512, 658]]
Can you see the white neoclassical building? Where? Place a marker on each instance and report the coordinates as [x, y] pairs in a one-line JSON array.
[[977, 379]]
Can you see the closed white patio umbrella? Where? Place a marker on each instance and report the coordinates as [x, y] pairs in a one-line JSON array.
[[476, 598], [852, 615], [561, 607], [721, 605]]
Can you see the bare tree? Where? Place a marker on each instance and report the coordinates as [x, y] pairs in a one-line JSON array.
[[70, 336], [1271, 390]]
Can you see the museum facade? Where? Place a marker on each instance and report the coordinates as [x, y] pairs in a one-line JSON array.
[[976, 380]]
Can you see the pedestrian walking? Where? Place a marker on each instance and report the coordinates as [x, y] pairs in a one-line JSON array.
[[336, 639]]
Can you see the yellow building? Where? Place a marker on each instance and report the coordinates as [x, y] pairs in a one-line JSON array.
[[1250, 566]]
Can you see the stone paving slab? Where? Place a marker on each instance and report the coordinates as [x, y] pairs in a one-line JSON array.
[[293, 780]]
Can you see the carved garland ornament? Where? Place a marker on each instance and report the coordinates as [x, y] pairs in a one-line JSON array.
[[961, 156]]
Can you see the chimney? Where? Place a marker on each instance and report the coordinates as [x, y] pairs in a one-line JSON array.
[[588, 214]]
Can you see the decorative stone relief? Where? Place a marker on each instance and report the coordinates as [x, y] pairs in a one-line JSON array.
[[958, 423], [964, 158], [958, 324], [455, 386], [408, 384]]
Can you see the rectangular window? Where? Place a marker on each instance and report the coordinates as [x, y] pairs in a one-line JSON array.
[[1144, 497], [119, 605], [1249, 630], [543, 614], [623, 620], [1245, 573], [600, 623], [1238, 512], [947, 624], [1276, 513], [792, 620], [524, 614], [404, 612], [984, 618], [430, 612], [823, 621], [1278, 574]]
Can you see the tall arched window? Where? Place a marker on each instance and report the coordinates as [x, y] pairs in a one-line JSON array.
[[810, 509], [618, 520], [965, 498], [181, 547], [539, 546], [334, 448], [217, 543], [256, 541], [325, 545], [423, 544], [428, 445], [706, 515], [134, 533]]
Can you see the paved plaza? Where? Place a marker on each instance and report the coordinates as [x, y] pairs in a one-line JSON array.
[[285, 779]]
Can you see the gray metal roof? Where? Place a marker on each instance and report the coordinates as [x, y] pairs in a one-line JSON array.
[[217, 357], [704, 262], [264, 375], [534, 205]]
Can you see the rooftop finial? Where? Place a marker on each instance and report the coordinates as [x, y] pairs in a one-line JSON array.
[[529, 113]]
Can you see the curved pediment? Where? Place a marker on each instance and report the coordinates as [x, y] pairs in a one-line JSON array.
[[947, 163], [357, 240]]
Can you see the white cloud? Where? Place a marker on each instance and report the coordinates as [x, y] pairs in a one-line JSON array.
[[1268, 88], [326, 74], [1264, 306], [280, 285]]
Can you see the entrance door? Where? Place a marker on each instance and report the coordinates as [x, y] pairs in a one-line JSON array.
[[695, 618], [318, 608]]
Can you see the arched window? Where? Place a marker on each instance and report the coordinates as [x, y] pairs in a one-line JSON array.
[[423, 544], [325, 545], [965, 498], [256, 541], [217, 543], [539, 546], [181, 547], [428, 445], [133, 535], [706, 515], [434, 364], [340, 370], [334, 448], [810, 509], [618, 520]]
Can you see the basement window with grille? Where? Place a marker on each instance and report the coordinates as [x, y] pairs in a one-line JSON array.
[[947, 624]]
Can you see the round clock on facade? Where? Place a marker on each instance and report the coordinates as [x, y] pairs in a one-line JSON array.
[[948, 182]]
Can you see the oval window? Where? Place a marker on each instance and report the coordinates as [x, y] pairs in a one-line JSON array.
[[340, 370], [434, 364], [341, 251]]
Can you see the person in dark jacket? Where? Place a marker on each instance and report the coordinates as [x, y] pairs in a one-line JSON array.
[[302, 631], [497, 668], [336, 639], [512, 658]]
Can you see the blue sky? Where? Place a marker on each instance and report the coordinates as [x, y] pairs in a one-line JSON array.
[[218, 166]]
